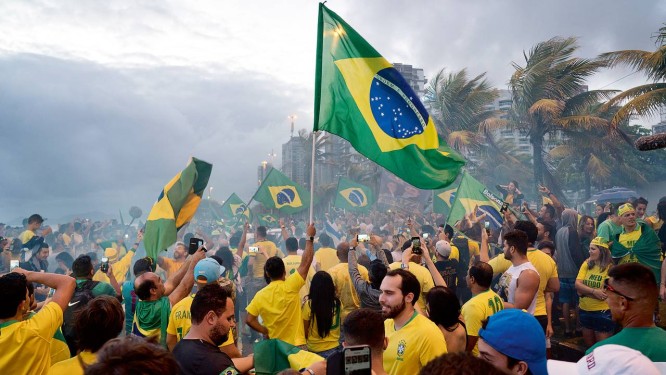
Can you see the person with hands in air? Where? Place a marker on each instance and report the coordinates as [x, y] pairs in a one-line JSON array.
[[368, 291], [120, 267], [278, 303]]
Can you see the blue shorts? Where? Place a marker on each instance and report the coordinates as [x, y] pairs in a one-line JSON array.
[[598, 321], [568, 293]]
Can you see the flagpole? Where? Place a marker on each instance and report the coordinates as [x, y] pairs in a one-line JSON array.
[[312, 174]]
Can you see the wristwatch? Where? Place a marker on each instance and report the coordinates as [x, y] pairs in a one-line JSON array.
[[311, 238]]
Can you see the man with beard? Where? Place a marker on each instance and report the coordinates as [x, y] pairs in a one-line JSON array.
[[413, 339], [171, 266], [213, 318]]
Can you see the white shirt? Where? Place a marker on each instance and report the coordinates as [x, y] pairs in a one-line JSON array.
[[509, 282]]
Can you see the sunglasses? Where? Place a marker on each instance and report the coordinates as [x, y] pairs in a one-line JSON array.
[[609, 288]]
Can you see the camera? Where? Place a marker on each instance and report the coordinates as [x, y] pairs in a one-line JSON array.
[[254, 249], [416, 246]]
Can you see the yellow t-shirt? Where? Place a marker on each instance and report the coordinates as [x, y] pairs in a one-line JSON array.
[[594, 278], [326, 257], [655, 223], [260, 259], [473, 251], [72, 366], [344, 287], [120, 269], [628, 240], [180, 320], [26, 345], [170, 266], [545, 266], [291, 264], [455, 253], [315, 342], [412, 346], [279, 307], [26, 235], [478, 308], [423, 276]]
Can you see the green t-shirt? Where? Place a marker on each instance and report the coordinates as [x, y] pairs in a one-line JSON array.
[[608, 230], [651, 341]]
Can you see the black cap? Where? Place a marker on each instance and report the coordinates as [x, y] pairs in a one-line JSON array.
[[36, 218]]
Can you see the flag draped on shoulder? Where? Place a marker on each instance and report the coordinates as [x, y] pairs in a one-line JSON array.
[[353, 196], [278, 191], [272, 356], [470, 194], [175, 206], [362, 98], [235, 208]]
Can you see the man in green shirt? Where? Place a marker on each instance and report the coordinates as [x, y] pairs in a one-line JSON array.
[[632, 298]]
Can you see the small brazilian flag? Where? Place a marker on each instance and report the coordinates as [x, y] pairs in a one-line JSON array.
[[353, 196], [272, 356], [362, 98], [235, 208], [278, 191], [175, 206], [443, 200], [470, 194], [268, 220]]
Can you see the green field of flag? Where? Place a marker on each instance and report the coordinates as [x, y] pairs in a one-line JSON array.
[[362, 98], [267, 220], [353, 196], [235, 208], [272, 356], [175, 206], [443, 200], [472, 194], [278, 191]]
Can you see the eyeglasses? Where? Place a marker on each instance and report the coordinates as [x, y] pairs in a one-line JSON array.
[[609, 288]]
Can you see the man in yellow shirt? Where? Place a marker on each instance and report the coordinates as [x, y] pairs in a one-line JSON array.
[[413, 339], [171, 266], [206, 272], [278, 303], [483, 304], [326, 257], [26, 344], [343, 283], [291, 263], [258, 259], [120, 267], [98, 322], [34, 223]]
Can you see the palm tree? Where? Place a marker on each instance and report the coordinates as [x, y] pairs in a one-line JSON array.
[[646, 99], [459, 107], [549, 95]]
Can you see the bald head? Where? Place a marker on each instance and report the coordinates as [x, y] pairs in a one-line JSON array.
[[148, 287], [343, 251]]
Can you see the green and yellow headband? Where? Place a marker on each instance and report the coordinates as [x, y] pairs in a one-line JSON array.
[[623, 209], [599, 241]]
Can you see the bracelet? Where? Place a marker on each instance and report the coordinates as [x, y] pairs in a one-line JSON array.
[[309, 370]]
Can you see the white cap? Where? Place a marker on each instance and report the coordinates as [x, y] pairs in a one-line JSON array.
[[443, 247], [607, 360]]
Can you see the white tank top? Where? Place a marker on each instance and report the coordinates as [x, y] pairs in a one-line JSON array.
[[509, 282]]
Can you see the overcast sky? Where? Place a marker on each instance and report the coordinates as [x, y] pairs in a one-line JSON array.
[[102, 102]]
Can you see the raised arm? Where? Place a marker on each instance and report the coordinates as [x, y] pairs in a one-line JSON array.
[[243, 239], [283, 230], [434, 272], [64, 285], [308, 254], [184, 282], [483, 249]]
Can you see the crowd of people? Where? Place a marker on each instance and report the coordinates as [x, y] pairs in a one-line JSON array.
[[419, 295]]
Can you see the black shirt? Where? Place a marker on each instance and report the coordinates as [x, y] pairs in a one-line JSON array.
[[198, 357]]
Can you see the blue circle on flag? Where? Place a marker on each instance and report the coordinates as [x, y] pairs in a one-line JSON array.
[[286, 196], [395, 106], [356, 197], [492, 215]]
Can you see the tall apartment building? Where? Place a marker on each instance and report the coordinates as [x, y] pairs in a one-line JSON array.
[[262, 171], [414, 76], [296, 161]]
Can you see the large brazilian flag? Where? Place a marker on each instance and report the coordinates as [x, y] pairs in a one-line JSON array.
[[235, 208], [353, 196], [362, 98], [175, 206], [472, 194], [272, 356], [278, 191]]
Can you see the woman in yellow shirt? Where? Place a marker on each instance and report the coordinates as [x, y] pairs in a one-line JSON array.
[[595, 317], [321, 316]]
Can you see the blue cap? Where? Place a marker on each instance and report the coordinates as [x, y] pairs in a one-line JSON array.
[[208, 270], [518, 335]]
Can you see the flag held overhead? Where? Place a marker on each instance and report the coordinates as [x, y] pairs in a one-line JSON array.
[[278, 191], [362, 98], [353, 196]]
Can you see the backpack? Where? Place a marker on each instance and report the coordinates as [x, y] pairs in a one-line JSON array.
[[82, 295]]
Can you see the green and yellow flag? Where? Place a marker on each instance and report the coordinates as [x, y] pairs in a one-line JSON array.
[[278, 191], [470, 194], [353, 196], [175, 206], [443, 200], [272, 356], [235, 208], [268, 220], [362, 98]]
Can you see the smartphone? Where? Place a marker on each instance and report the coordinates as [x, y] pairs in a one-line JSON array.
[[104, 265], [425, 235], [357, 360], [254, 249], [416, 245], [13, 264], [486, 224], [362, 238], [195, 244]]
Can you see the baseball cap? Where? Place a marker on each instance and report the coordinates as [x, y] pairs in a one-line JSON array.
[[608, 359], [623, 209], [443, 247], [518, 335], [208, 269]]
